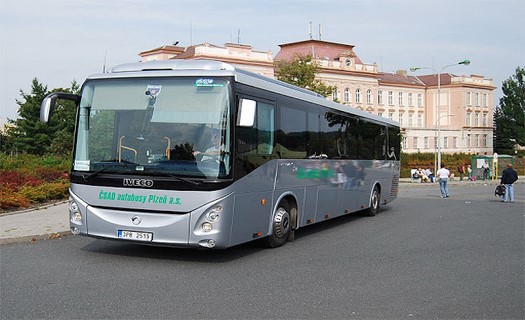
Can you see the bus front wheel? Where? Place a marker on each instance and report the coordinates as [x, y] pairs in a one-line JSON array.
[[374, 202], [281, 227]]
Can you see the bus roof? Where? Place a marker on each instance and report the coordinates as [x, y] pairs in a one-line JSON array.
[[185, 67]]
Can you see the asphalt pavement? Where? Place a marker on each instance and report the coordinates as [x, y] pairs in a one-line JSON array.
[[52, 221]]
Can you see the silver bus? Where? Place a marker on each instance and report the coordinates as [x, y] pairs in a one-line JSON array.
[[200, 154]]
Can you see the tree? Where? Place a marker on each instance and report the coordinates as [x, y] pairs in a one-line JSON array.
[[301, 72], [509, 116], [32, 136]]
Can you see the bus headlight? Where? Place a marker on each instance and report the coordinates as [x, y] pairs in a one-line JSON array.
[[74, 211], [77, 216], [206, 227], [214, 214]]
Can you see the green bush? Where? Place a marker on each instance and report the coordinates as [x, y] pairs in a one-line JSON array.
[[426, 160], [30, 179]]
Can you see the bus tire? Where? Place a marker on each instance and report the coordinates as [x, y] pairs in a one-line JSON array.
[[281, 226], [375, 200]]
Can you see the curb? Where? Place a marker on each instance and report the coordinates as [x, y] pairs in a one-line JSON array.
[[44, 206], [35, 238]]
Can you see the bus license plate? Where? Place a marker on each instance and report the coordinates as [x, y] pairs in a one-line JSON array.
[[133, 235]]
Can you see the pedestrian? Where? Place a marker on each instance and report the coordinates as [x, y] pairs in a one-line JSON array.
[[485, 168], [508, 177], [469, 170], [461, 170], [443, 173]]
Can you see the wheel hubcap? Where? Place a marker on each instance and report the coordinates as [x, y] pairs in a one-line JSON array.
[[281, 222]]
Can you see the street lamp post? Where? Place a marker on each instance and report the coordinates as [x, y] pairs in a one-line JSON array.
[[438, 108]]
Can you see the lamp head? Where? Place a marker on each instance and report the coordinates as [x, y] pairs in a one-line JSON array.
[[414, 69], [465, 62]]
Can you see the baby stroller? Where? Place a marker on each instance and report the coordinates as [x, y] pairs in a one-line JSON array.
[[500, 191]]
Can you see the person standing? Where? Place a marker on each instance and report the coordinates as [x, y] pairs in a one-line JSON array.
[[443, 174], [485, 168], [508, 177], [461, 170], [469, 170]]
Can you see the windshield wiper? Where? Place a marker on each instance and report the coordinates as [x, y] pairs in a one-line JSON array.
[[176, 177], [96, 173]]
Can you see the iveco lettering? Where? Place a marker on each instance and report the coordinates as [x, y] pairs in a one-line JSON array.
[[200, 154], [138, 183]]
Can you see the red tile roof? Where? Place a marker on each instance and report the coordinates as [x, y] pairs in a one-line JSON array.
[[432, 79], [317, 48], [399, 79]]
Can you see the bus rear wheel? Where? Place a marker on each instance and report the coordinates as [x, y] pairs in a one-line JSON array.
[[281, 227], [374, 203]]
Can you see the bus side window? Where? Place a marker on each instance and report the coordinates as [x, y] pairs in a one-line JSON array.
[[266, 128], [256, 143]]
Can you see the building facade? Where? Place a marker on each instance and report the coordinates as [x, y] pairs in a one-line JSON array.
[[463, 121]]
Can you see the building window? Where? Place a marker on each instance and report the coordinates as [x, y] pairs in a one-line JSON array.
[[346, 97], [380, 114], [485, 119], [400, 98], [435, 142], [425, 141], [476, 139], [410, 99], [445, 143], [419, 100], [358, 96], [468, 141], [380, 97], [468, 99], [400, 119], [390, 98], [404, 142], [368, 96], [419, 120], [414, 142], [485, 100], [467, 119], [335, 94], [485, 140], [454, 142], [476, 99], [391, 115], [410, 116], [476, 119]]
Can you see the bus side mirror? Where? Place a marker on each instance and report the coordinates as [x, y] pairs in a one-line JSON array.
[[246, 116], [49, 103]]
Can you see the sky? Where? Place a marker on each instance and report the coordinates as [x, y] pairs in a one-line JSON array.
[[60, 41]]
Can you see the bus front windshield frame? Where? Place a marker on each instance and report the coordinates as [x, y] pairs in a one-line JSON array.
[[155, 126]]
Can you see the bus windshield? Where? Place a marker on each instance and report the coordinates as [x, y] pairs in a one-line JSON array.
[[155, 126]]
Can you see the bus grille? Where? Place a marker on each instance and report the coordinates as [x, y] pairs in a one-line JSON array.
[[395, 186]]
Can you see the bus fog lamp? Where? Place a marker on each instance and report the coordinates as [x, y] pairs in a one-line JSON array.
[[207, 243], [75, 230], [206, 227]]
